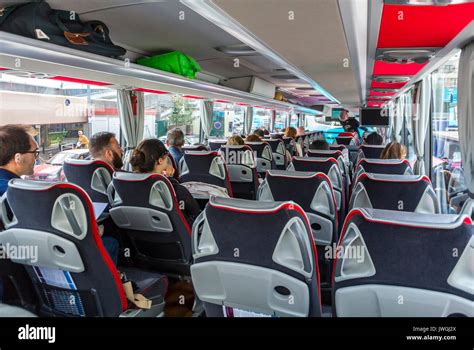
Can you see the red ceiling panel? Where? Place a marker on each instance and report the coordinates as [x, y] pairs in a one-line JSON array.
[[381, 68], [422, 26], [376, 84], [374, 104]]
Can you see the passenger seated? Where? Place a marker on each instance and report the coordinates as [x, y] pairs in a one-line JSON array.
[[319, 145], [235, 140], [374, 139], [300, 131], [253, 138], [175, 143], [290, 132], [18, 153], [259, 133], [394, 150], [266, 132], [105, 147], [150, 156]]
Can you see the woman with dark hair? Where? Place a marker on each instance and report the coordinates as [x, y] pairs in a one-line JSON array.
[[151, 156]]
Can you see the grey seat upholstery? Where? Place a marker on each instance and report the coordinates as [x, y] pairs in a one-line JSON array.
[[71, 271], [267, 267], [395, 264], [394, 192]]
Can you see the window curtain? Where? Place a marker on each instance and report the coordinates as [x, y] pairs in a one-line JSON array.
[[207, 110], [132, 125], [420, 120], [466, 113], [248, 120], [398, 120]]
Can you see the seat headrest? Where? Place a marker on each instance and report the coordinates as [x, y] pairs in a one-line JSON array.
[[394, 178], [244, 205]]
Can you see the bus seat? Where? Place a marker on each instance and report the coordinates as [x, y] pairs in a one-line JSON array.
[[264, 156], [383, 166], [369, 151], [205, 166], [402, 265], [94, 176], [242, 168], [279, 153], [215, 144], [72, 272], [313, 192], [412, 193], [330, 167], [267, 267], [145, 207]]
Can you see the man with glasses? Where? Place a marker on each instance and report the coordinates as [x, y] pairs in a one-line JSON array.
[[18, 153]]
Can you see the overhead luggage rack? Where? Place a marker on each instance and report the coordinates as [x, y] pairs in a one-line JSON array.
[[31, 55]]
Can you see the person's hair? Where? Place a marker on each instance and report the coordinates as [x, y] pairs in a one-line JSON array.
[[175, 137], [290, 132], [147, 153], [235, 141], [319, 145], [13, 139], [253, 138], [259, 132], [99, 142], [266, 132], [394, 150], [374, 139]]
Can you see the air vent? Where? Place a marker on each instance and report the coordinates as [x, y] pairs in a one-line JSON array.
[[379, 98], [285, 77], [237, 50], [406, 56], [391, 79]]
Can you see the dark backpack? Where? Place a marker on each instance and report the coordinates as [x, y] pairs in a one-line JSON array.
[[37, 20]]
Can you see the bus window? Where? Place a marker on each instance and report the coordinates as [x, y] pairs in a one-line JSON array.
[[261, 118], [446, 158], [164, 112], [280, 121], [294, 120]]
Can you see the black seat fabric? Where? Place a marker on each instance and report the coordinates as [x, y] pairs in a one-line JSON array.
[[72, 272], [404, 265], [94, 176], [205, 166], [369, 151], [145, 207], [394, 192], [242, 168], [383, 166], [257, 267]]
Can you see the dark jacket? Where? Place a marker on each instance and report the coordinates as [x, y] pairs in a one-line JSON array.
[[188, 205]]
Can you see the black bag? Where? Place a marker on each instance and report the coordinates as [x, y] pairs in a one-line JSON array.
[[37, 20]]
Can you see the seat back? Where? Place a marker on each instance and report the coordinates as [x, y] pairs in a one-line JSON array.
[[394, 192], [369, 151], [242, 168], [195, 148], [263, 155], [268, 266], [94, 176], [383, 166], [54, 224], [328, 166], [279, 153], [205, 166], [312, 191], [345, 140], [215, 144], [404, 265], [145, 207], [336, 154]]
